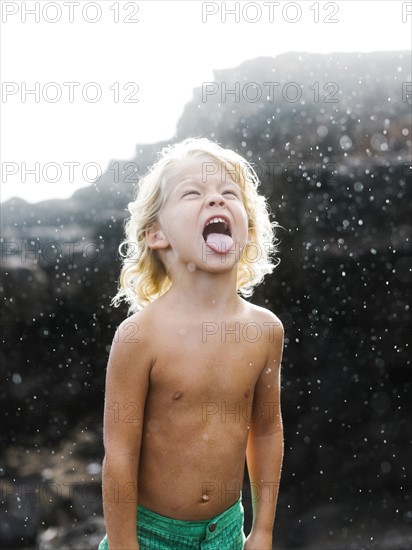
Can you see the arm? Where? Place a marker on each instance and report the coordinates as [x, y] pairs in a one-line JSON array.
[[264, 451], [127, 383]]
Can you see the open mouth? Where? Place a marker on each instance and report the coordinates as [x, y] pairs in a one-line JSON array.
[[216, 225], [217, 235]]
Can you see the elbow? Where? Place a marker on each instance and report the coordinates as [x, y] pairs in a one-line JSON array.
[[121, 449]]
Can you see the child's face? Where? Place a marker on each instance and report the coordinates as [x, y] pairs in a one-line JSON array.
[[199, 191]]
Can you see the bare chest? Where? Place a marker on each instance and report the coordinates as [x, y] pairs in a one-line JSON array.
[[206, 364]]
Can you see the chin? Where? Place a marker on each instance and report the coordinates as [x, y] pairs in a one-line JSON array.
[[219, 264]]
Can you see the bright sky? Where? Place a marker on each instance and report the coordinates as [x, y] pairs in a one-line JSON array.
[[165, 50]]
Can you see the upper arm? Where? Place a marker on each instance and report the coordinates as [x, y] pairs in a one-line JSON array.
[[127, 384], [266, 402]]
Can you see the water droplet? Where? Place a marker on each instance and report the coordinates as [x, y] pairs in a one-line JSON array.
[[345, 142], [16, 378], [93, 468], [386, 467]]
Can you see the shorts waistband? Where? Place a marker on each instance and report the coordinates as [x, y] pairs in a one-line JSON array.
[[196, 528]]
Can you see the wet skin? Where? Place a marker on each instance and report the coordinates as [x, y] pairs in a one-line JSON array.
[[198, 413]]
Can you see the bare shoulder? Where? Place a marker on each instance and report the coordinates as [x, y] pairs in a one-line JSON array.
[[133, 328], [269, 323], [138, 328]]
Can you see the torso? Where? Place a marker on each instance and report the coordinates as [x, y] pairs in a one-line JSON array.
[[197, 413]]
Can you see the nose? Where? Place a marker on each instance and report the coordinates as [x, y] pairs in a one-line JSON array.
[[216, 200]]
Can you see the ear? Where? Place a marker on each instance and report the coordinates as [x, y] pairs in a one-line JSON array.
[[155, 237]]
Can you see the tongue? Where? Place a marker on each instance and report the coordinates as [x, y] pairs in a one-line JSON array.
[[219, 242]]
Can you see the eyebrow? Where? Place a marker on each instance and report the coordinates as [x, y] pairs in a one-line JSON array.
[[186, 181]]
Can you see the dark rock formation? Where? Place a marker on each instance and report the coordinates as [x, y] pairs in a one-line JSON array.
[[330, 136]]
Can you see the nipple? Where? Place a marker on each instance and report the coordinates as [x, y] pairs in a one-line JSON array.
[[177, 395]]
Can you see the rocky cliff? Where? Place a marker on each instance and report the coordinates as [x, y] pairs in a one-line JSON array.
[[330, 137]]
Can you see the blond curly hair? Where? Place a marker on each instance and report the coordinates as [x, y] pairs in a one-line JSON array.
[[143, 277]]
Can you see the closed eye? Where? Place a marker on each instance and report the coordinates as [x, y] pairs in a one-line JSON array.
[[231, 193], [192, 192]]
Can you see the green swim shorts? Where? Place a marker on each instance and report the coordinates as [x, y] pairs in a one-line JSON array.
[[156, 532]]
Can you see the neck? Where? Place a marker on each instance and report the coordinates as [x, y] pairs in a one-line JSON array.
[[203, 292]]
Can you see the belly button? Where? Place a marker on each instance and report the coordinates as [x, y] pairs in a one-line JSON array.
[[205, 498], [177, 395]]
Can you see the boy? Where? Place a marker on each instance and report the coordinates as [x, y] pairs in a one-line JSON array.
[[193, 377]]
